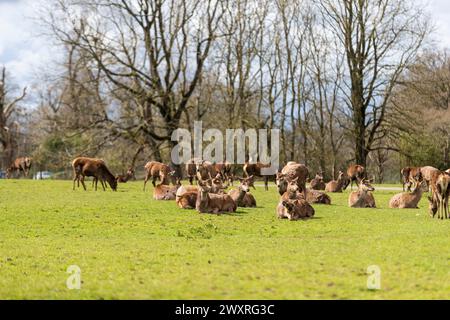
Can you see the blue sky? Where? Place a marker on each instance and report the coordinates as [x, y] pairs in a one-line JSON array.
[[24, 52]]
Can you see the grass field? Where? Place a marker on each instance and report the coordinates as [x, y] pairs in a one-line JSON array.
[[129, 246]]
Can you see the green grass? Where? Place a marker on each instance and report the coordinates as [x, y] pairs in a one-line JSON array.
[[129, 246]]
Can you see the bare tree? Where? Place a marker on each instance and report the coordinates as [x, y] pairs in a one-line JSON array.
[[9, 107], [379, 39]]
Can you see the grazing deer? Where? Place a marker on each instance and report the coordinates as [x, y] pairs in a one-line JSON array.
[[213, 203], [355, 173], [166, 192], [292, 171], [411, 176], [242, 195], [317, 183], [408, 200], [124, 178], [363, 198], [337, 186], [295, 210], [255, 170], [157, 170], [96, 168], [20, 164], [440, 187]]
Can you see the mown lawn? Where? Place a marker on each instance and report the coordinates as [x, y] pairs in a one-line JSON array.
[[129, 246]]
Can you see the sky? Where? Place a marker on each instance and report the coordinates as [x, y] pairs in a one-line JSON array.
[[24, 51]]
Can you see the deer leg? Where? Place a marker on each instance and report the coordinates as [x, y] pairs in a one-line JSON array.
[[154, 181], [75, 179], [103, 184], [82, 183], [266, 183], [191, 180], [145, 180]]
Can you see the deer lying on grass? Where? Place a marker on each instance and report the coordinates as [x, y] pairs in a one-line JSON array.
[[186, 196], [355, 173], [242, 195], [166, 192], [205, 170], [295, 210], [411, 176], [337, 186], [124, 178], [317, 197], [317, 183], [20, 164], [255, 170], [157, 170], [409, 200], [363, 198], [213, 203], [440, 187], [292, 172], [96, 168]]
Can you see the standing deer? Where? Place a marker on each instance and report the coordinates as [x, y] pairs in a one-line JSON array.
[[242, 195], [255, 170], [409, 200], [225, 169], [440, 186], [355, 173], [20, 164], [157, 170], [429, 173], [205, 170], [96, 168], [363, 198], [191, 169]]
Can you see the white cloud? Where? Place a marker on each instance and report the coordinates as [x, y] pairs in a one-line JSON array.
[[22, 50]]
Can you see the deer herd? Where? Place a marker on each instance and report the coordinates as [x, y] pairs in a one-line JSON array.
[[209, 195]]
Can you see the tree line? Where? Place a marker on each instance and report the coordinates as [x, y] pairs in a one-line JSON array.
[[348, 81]]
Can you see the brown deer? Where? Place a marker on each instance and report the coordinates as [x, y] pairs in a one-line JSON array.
[[355, 173], [242, 195], [255, 170], [440, 187], [166, 192], [187, 200], [213, 203], [20, 164], [191, 169], [429, 173], [317, 197], [337, 186], [292, 171], [157, 170], [205, 170], [96, 168], [295, 210], [363, 198], [317, 183], [408, 200], [225, 169], [124, 178], [411, 176]]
